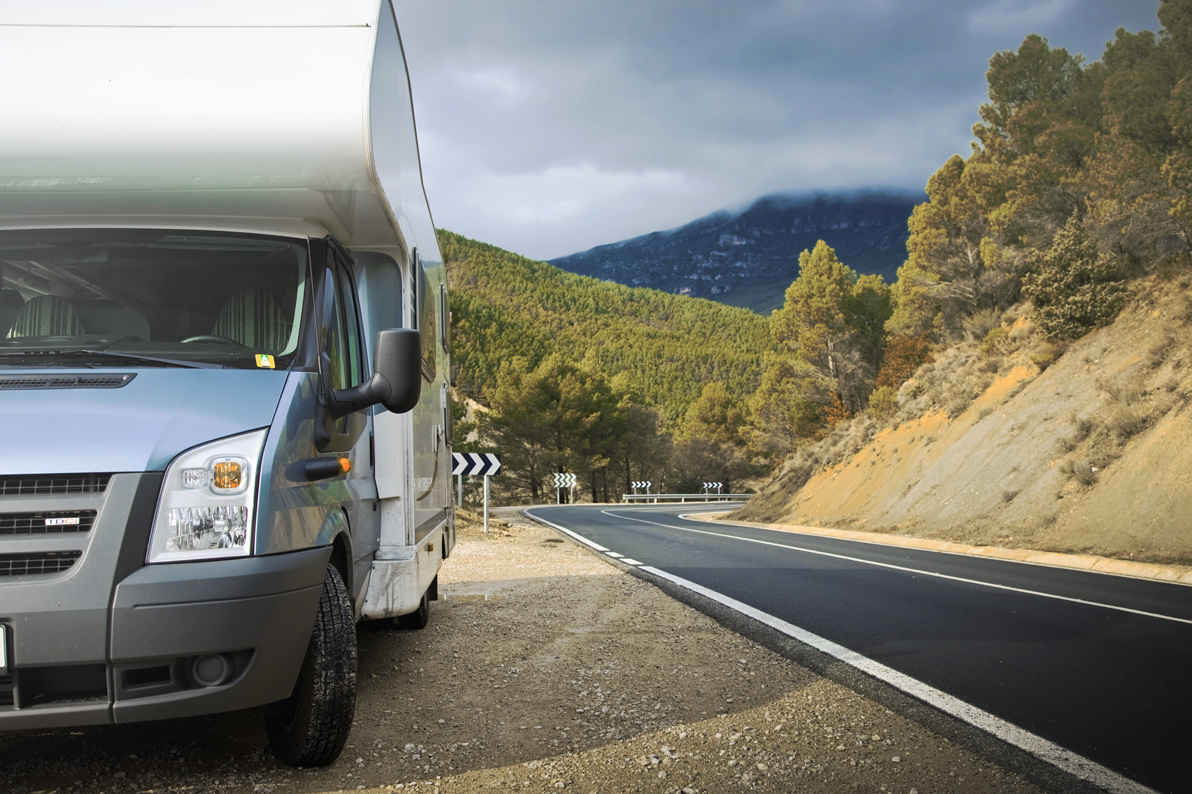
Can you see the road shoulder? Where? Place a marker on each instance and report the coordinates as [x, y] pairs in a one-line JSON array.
[[1088, 562]]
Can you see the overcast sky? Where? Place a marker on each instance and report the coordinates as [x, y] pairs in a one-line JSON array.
[[551, 126]]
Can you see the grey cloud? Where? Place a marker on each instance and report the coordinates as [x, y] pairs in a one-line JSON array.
[[683, 106]]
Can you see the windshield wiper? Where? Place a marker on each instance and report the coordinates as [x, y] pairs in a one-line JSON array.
[[46, 357]]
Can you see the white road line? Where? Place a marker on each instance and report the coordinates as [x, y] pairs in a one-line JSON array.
[[907, 569], [567, 531], [629, 561], [1049, 752], [1072, 763], [614, 555]]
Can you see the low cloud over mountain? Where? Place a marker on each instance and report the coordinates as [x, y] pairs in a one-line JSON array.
[[748, 258]]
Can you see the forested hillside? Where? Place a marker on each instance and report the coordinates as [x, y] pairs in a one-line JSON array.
[[663, 347], [613, 372]]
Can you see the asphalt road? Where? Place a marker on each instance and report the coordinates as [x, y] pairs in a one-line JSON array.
[[1097, 665]]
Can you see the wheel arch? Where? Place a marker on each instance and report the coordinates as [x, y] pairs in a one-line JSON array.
[[336, 532]]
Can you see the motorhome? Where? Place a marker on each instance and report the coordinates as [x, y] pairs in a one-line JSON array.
[[224, 416]]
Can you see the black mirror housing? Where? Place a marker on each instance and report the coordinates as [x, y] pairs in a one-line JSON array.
[[397, 376]]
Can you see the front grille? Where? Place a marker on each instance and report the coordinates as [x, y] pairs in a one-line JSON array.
[[52, 484], [35, 564], [65, 381], [46, 523]]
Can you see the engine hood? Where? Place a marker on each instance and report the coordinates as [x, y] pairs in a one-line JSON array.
[[139, 426]]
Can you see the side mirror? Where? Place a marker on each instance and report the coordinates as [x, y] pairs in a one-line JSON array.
[[397, 376]]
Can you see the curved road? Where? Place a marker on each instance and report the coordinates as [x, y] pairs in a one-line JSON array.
[[1087, 671]]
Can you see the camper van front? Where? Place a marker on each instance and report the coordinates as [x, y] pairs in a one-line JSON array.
[[223, 362], [160, 392]]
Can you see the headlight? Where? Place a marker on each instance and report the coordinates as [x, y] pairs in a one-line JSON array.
[[207, 502]]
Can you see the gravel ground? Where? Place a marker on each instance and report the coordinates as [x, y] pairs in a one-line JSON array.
[[544, 668]]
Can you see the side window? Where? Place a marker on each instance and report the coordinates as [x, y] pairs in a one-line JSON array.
[[343, 329], [426, 317], [444, 316], [351, 325], [430, 332]]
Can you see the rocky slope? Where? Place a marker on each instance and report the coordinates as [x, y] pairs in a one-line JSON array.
[[1091, 454]]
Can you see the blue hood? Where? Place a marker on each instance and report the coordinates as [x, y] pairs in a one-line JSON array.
[[138, 427]]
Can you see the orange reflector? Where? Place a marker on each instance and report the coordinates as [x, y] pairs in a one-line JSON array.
[[227, 475], [345, 464]]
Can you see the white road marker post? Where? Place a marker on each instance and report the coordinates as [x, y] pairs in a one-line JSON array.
[[486, 503]]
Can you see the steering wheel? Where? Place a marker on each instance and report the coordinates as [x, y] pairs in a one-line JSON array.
[[211, 338]]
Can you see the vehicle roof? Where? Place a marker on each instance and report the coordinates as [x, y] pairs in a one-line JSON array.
[[219, 13], [295, 110]]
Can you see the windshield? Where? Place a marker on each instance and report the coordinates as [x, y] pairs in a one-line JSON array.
[[101, 297]]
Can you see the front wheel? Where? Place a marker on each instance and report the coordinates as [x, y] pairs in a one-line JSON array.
[[311, 726]]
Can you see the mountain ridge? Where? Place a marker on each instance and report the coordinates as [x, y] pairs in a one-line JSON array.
[[748, 258]]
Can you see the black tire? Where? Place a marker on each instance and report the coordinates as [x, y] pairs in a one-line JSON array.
[[311, 726], [419, 617]]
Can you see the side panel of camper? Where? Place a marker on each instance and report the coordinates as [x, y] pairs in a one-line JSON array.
[[417, 532]]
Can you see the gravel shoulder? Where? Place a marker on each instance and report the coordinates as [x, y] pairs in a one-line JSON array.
[[544, 668]]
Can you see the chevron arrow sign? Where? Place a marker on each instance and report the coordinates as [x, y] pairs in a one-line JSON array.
[[641, 484], [475, 463], [715, 485], [564, 480]]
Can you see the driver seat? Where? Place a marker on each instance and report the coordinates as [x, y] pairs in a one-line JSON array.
[[254, 319], [46, 315]]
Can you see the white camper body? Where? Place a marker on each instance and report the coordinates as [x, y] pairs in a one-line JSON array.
[[258, 127]]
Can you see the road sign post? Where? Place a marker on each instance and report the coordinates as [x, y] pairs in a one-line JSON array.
[[641, 484], [483, 464], [564, 480]]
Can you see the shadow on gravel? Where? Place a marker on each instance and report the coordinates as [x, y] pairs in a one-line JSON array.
[[508, 671], [600, 682]]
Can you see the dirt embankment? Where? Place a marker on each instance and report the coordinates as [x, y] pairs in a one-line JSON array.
[[544, 669], [1091, 455]]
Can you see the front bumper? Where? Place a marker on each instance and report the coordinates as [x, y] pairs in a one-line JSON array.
[[166, 640]]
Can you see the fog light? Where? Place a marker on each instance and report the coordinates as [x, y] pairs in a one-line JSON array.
[[209, 671]]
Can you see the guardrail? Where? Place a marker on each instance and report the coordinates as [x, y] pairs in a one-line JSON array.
[[652, 498]]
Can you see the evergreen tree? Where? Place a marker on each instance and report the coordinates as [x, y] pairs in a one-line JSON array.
[[788, 407], [1074, 288], [812, 323], [834, 321]]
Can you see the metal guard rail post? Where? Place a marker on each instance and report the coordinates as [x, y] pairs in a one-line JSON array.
[[652, 498]]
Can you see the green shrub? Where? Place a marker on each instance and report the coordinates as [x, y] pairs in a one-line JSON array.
[[996, 342], [1074, 288], [883, 402]]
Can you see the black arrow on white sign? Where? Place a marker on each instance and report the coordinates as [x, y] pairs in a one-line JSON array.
[[475, 463]]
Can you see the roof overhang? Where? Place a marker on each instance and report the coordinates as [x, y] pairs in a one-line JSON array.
[[133, 109]]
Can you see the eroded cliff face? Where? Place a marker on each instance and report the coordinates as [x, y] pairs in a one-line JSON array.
[[1093, 454]]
